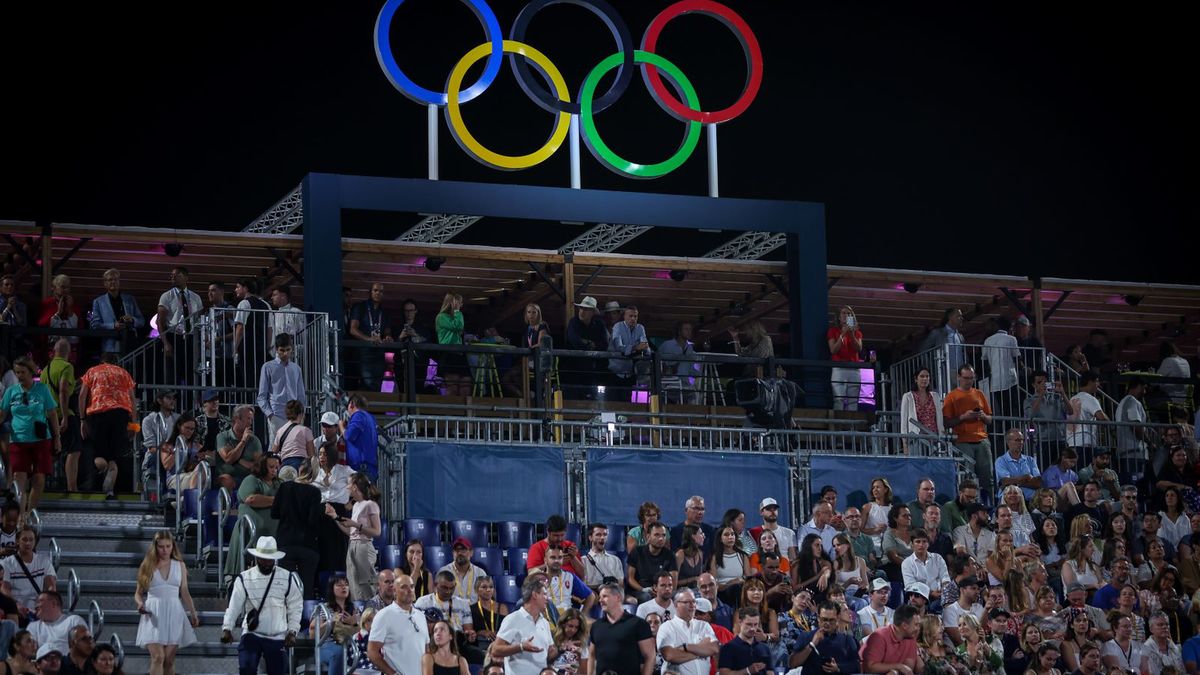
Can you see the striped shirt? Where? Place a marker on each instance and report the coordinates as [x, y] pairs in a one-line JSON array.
[[279, 614]]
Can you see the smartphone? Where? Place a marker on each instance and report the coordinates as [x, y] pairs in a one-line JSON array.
[[978, 409], [851, 321], [1049, 387], [871, 354]]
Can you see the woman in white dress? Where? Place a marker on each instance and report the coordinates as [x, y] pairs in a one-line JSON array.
[[161, 597]]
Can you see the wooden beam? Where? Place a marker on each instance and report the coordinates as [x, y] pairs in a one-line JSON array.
[[569, 289], [1039, 326]]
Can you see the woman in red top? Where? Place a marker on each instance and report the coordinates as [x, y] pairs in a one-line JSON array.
[[845, 343]]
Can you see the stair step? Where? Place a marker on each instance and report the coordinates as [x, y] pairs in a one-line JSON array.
[[98, 531], [121, 602], [119, 586], [209, 632], [124, 617], [196, 665], [97, 505]]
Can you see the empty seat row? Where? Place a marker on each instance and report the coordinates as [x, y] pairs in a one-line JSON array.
[[508, 534], [495, 561]]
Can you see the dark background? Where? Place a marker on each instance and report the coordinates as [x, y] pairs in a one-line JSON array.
[[1032, 140]]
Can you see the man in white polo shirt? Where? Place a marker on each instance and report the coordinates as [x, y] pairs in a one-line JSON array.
[[399, 633], [685, 642], [876, 614], [525, 641]]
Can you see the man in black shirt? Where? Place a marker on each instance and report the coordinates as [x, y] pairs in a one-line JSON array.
[[648, 560], [369, 323], [621, 642]]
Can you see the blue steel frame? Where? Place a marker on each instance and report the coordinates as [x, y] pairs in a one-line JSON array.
[[326, 195]]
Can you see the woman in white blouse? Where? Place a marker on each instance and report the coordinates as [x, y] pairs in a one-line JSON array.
[[922, 404], [332, 478]]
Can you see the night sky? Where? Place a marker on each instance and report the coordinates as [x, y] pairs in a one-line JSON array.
[[1032, 139]]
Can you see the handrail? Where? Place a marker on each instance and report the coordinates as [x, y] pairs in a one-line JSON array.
[[247, 525], [115, 643], [34, 520], [55, 552], [73, 589], [322, 610], [201, 493], [95, 620], [224, 503]]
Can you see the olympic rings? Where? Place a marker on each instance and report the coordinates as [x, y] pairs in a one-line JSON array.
[[473, 147], [559, 103], [609, 158], [754, 66], [383, 53]]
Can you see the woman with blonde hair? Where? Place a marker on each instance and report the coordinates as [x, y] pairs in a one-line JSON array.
[[932, 651], [571, 639], [1001, 560], [758, 345], [452, 366], [974, 652], [1022, 523], [845, 346], [161, 596]]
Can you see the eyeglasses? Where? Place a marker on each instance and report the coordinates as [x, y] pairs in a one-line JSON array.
[[1128, 496]]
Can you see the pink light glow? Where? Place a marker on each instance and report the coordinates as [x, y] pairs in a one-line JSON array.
[[662, 274]]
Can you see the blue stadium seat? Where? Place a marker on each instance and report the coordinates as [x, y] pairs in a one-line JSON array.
[[573, 532], [424, 530], [623, 555], [616, 539], [475, 531], [515, 560], [437, 557], [514, 534], [381, 541], [191, 504], [490, 559], [306, 615], [391, 556], [508, 590]]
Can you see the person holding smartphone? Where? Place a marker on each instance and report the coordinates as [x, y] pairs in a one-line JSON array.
[[845, 345], [746, 654], [967, 412]]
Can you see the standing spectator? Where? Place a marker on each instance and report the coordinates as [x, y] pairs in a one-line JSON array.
[[1131, 439], [621, 642], [294, 441], [758, 346], [947, 337], [286, 319], [586, 332], [115, 311], [27, 573], [968, 413], [251, 331], [685, 642], [845, 345], [298, 509], [333, 479], [1001, 353], [35, 437], [452, 366], [280, 381], [1023, 331], [218, 339], [60, 311], [683, 371], [370, 323], [394, 646], [106, 398], [271, 622], [362, 527], [12, 310], [59, 376], [921, 405], [362, 437], [412, 333], [331, 435], [177, 309], [162, 597], [630, 342], [525, 640], [1047, 401], [1098, 351], [1174, 365], [238, 449], [1085, 408]]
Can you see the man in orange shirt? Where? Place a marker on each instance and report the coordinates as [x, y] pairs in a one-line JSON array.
[[106, 403], [967, 412]]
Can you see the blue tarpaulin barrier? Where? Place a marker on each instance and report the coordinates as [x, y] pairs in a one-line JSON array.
[[449, 481], [619, 480], [851, 476]]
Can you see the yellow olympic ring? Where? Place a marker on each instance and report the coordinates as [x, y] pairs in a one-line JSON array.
[[459, 129]]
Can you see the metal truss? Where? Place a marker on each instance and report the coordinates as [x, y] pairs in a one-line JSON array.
[[603, 238], [437, 228], [748, 246], [284, 218]]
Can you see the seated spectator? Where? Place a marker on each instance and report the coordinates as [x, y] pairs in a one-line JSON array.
[[115, 310], [1120, 574], [661, 602], [238, 449], [801, 616], [932, 648], [975, 654], [601, 566], [925, 567], [256, 494], [694, 515], [156, 429], [279, 382], [345, 619], [768, 543], [1061, 478], [861, 543], [294, 441], [486, 613], [454, 610], [954, 513], [768, 508], [80, 645], [571, 641], [975, 538], [53, 627], [1159, 651], [1156, 562], [209, 420], [722, 613], [22, 654], [826, 645], [689, 558], [648, 560], [1178, 473], [1150, 528], [27, 572], [385, 593], [916, 594], [965, 605], [849, 569], [648, 513], [820, 525], [1122, 651], [1079, 567], [556, 535], [630, 342], [897, 541], [452, 366], [778, 585], [729, 565], [926, 492], [745, 652], [1047, 402], [813, 569], [939, 540], [876, 614], [1016, 468], [754, 595], [893, 647], [181, 454]]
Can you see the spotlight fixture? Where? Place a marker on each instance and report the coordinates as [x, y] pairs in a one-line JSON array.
[[911, 287], [173, 250], [434, 263], [1134, 300], [678, 275]]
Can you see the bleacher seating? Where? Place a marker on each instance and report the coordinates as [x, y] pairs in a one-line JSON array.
[[508, 590], [425, 530], [514, 534], [514, 560], [573, 532], [616, 539], [474, 531], [490, 559], [437, 557], [390, 556]]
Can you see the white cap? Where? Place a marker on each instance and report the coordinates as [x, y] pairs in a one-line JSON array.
[[46, 650], [703, 605], [330, 418], [880, 584], [769, 501], [918, 587]]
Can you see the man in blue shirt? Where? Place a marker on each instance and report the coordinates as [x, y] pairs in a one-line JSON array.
[[1105, 597], [950, 337], [1191, 653], [825, 645], [629, 340], [1016, 468], [280, 381], [1062, 478], [744, 653], [362, 437]]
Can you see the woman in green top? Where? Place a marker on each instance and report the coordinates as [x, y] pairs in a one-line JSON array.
[[255, 497], [35, 439], [452, 366]]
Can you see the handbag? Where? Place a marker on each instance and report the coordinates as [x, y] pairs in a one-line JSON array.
[[252, 615]]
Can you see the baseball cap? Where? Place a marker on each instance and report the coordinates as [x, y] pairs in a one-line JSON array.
[[918, 587], [46, 650], [462, 542], [769, 501], [880, 584], [997, 612], [330, 419], [209, 394], [703, 605], [973, 508]]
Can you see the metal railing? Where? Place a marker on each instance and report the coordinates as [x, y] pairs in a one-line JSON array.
[[73, 589], [249, 537], [224, 506], [95, 620], [322, 630], [34, 520], [115, 643], [55, 552]]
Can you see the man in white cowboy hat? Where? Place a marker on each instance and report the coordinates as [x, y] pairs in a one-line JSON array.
[[586, 331], [615, 312], [272, 600]]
